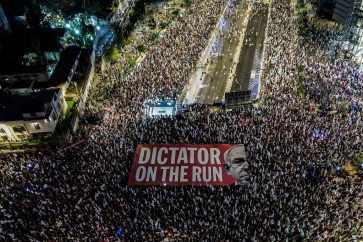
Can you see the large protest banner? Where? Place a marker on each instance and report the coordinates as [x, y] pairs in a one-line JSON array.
[[185, 164]]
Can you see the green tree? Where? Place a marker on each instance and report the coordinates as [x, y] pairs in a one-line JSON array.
[[112, 54], [163, 25], [154, 36], [152, 23], [122, 41], [131, 60], [141, 48], [176, 12], [34, 16], [358, 160], [187, 3], [114, 6], [70, 7], [299, 4]]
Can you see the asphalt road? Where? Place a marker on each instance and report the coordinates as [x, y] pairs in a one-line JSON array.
[[252, 45], [216, 79]]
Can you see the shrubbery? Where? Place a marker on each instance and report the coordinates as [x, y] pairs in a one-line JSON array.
[[121, 41], [131, 60], [163, 25], [112, 54], [358, 160], [187, 3], [299, 4], [141, 48], [154, 36]]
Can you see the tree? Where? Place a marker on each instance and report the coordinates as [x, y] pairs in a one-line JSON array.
[[163, 25], [112, 54], [154, 36], [71, 7], [131, 60], [187, 3], [34, 16], [152, 23], [122, 41], [141, 48], [358, 160], [114, 6], [176, 12]]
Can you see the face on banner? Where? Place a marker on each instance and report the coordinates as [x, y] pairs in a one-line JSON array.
[[236, 164], [184, 164]]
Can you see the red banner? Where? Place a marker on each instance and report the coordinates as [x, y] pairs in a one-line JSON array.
[[184, 164]]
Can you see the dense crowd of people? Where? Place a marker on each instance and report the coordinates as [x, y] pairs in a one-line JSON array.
[[296, 191], [330, 81]]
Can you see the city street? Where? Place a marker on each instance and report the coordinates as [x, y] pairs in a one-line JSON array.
[[249, 59], [231, 69], [218, 70]]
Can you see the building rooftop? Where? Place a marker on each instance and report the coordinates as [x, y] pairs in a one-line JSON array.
[[63, 68], [58, 77], [84, 65], [65, 65]]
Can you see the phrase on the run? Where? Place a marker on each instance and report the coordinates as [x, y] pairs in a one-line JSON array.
[[179, 165]]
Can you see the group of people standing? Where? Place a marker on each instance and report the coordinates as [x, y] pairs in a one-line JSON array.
[[81, 193]]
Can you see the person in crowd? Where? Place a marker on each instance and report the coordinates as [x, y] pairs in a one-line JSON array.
[[81, 193]]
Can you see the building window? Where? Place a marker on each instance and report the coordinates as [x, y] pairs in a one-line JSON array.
[[22, 137], [19, 129], [36, 126], [4, 138], [54, 116]]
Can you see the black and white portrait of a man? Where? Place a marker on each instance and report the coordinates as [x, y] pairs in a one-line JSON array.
[[236, 164]]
